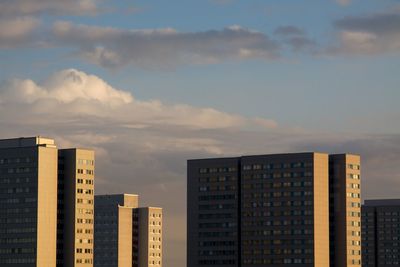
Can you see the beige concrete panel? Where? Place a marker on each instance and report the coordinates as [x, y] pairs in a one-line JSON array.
[[125, 237], [47, 207], [131, 200], [321, 210]]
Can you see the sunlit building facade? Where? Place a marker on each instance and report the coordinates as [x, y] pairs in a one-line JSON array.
[[270, 210]]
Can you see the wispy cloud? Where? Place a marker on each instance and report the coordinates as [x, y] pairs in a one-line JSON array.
[[164, 48], [296, 38], [19, 31], [368, 35]]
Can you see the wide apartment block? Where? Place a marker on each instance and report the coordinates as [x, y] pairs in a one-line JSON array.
[[126, 235], [381, 233], [273, 210], [46, 196]]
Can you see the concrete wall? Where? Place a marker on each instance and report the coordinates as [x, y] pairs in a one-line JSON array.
[[47, 207]]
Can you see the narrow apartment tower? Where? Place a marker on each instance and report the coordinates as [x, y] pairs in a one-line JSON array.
[[75, 207], [345, 210], [125, 235], [28, 197], [114, 229], [273, 210], [149, 237], [381, 233]]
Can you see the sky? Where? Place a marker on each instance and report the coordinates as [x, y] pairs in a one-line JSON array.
[[150, 84]]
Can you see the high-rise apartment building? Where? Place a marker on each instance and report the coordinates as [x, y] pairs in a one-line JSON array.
[[272, 210], [345, 210], [114, 229], [28, 197], [75, 207], [149, 237], [381, 233], [46, 196], [126, 235]]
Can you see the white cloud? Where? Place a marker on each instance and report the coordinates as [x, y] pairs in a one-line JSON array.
[[163, 48], [65, 87], [79, 93]]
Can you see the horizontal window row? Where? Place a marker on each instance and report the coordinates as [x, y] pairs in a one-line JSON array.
[[87, 221], [353, 166], [216, 252], [216, 243], [17, 240], [84, 181], [277, 166], [84, 250], [17, 190], [17, 220], [16, 160], [216, 206], [17, 250], [276, 175], [9, 180], [84, 201], [17, 200], [17, 170], [278, 232], [85, 162], [290, 242], [216, 262], [85, 191], [278, 204], [217, 188], [85, 171], [277, 222], [278, 261], [17, 230], [217, 197], [217, 179], [277, 185], [216, 170], [17, 260], [277, 251], [278, 194], [297, 212], [217, 225]]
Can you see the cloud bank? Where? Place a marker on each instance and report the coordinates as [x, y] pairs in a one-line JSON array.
[[157, 48]]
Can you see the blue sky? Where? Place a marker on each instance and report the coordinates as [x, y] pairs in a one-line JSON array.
[[344, 88], [149, 84]]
